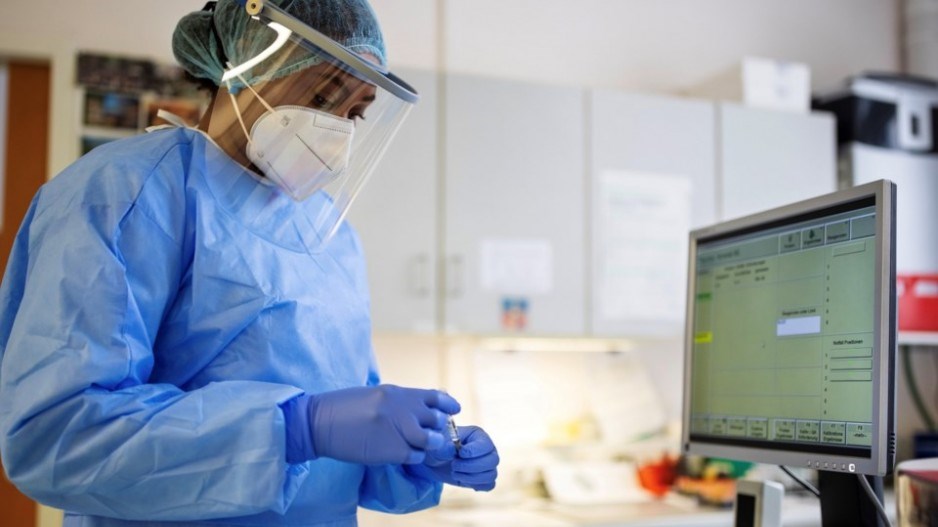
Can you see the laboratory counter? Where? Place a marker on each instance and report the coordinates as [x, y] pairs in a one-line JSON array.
[[671, 511]]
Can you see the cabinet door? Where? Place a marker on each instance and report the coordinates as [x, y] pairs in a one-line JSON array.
[[514, 207], [771, 158], [396, 217], [653, 165]]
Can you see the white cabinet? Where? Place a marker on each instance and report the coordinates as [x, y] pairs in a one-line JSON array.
[[513, 221], [396, 217], [515, 224], [653, 164], [772, 158], [574, 206]]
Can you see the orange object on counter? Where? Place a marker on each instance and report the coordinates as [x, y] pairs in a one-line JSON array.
[[657, 477]]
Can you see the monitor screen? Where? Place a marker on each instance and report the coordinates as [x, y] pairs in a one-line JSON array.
[[791, 335]]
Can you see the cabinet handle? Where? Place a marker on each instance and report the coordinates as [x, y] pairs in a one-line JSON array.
[[420, 276], [454, 277]]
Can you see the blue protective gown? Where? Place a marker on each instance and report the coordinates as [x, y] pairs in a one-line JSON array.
[[159, 305]]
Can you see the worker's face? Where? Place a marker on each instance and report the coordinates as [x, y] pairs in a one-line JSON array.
[[324, 87]]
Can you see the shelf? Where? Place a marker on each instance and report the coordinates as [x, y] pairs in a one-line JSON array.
[[918, 338], [105, 132]]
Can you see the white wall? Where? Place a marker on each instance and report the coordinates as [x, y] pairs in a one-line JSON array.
[[644, 45], [921, 38], [666, 45]]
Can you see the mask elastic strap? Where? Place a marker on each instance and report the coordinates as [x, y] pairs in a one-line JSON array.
[[248, 86], [234, 101]]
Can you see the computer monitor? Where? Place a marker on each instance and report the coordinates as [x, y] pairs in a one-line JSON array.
[[791, 335]]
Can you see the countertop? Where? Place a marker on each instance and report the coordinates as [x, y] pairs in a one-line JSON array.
[[672, 511]]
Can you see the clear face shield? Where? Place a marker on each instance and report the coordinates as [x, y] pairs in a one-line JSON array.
[[316, 116]]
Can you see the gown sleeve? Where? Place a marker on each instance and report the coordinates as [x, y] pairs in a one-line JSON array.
[[81, 428], [390, 488]]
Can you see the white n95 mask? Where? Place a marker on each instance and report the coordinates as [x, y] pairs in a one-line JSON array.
[[300, 149]]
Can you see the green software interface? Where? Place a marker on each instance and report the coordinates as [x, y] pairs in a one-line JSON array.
[[783, 334]]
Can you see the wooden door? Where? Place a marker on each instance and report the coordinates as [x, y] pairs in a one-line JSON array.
[[25, 168]]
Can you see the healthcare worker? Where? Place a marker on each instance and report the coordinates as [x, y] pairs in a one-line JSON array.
[[184, 319]]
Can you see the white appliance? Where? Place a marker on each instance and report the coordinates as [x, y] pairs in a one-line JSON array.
[[887, 127]]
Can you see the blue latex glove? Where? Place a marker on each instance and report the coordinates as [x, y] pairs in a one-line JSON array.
[[377, 425], [473, 466]]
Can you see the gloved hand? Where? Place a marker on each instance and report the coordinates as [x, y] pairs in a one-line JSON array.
[[372, 425], [473, 466]]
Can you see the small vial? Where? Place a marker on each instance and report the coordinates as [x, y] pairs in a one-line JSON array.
[[453, 433]]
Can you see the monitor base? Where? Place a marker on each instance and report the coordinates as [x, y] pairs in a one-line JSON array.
[[845, 503]]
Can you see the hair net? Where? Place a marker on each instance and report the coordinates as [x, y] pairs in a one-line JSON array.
[[205, 40]]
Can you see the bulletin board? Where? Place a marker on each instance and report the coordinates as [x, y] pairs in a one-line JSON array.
[[120, 97]]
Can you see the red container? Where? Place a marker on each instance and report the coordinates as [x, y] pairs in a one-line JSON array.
[[918, 302]]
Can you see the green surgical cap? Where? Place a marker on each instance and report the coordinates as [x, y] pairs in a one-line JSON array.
[[351, 23]]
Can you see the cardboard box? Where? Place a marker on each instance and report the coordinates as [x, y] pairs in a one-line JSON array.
[[762, 83]]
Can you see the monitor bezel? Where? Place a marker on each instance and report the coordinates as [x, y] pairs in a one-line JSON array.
[[882, 451]]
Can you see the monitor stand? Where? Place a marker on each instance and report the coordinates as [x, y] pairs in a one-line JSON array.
[[844, 502]]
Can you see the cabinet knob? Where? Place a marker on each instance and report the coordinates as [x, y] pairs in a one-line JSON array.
[[420, 276], [454, 276]]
